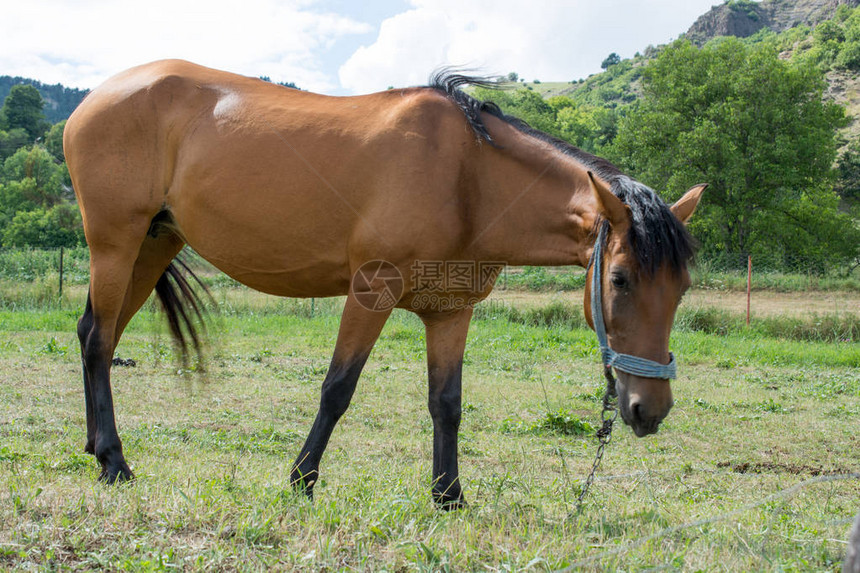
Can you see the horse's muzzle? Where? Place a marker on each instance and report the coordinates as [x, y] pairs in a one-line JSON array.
[[643, 402]]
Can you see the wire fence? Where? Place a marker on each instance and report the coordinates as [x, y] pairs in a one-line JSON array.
[[38, 264], [725, 270], [787, 263]]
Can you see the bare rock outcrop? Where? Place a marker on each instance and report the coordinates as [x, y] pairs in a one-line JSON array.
[[744, 18]]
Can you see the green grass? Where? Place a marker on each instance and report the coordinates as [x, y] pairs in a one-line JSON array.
[[754, 415]]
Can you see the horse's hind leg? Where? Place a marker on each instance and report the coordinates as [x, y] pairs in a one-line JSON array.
[[359, 329], [85, 324], [121, 280], [110, 276]]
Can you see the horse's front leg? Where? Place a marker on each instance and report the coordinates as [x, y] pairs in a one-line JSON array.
[[446, 342], [359, 329]]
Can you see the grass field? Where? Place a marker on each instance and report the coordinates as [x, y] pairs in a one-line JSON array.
[[748, 472]]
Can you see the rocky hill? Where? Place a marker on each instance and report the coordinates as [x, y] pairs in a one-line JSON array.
[[743, 18]]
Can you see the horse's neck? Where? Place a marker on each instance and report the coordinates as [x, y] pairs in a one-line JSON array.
[[537, 207]]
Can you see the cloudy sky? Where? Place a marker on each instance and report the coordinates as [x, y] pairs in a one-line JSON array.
[[334, 46]]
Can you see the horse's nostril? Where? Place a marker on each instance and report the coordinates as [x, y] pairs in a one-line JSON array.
[[636, 412]]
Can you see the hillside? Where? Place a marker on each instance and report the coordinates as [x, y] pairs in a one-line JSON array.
[[60, 101], [791, 21], [743, 18], [823, 32]]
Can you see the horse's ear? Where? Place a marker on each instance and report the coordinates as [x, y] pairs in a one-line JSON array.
[[684, 207], [608, 204]]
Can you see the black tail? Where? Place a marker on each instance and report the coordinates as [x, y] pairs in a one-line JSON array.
[[183, 306]]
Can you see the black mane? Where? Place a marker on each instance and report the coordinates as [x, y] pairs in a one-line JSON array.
[[656, 235]]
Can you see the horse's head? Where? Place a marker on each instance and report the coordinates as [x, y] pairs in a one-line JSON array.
[[643, 275]]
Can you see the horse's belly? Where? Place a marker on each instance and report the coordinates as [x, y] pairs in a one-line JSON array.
[[285, 278], [279, 247]]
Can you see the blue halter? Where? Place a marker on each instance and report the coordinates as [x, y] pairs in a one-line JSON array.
[[611, 359]]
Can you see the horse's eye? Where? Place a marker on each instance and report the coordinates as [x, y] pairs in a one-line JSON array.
[[619, 281]]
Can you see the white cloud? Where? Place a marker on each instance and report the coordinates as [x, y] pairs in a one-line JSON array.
[[544, 39], [409, 44], [82, 42]]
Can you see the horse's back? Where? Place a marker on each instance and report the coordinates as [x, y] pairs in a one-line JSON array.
[[279, 188]]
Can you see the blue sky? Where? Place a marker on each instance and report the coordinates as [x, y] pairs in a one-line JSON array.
[[338, 47]]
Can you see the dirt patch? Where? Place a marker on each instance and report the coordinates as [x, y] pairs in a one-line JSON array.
[[779, 468], [768, 303], [763, 303]]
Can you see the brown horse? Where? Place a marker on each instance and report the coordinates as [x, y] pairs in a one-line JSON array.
[[408, 199]]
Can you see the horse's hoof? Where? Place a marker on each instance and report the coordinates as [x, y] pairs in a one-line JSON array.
[[116, 475], [306, 490], [303, 483], [449, 502], [453, 505]]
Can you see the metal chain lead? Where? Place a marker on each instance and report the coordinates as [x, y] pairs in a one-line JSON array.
[[604, 434], [624, 362]]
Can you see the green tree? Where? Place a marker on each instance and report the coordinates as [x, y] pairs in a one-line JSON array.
[[577, 125], [849, 53], [57, 226], [54, 140], [11, 141], [38, 164], [23, 109], [848, 174], [828, 38], [17, 197], [754, 127], [35, 201], [524, 104], [584, 125], [610, 61]]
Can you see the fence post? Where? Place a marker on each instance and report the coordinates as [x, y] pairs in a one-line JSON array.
[[61, 272], [749, 285]]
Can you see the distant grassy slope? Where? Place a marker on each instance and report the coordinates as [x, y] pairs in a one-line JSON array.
[[549, 89], [618, 85]]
